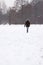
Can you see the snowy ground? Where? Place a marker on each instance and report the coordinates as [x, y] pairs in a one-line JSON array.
[[20, 48]]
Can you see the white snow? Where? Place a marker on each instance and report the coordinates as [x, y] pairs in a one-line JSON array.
[[20, 48]]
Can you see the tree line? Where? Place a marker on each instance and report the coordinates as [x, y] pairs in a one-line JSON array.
[[20, 14]]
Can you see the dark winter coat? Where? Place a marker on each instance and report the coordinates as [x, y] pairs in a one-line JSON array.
[[27, 23]]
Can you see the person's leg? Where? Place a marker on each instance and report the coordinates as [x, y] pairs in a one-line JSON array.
[[27, 29]]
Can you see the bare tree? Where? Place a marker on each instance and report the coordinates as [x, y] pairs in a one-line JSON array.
[[35, 1], [19, 3], [4, 7]]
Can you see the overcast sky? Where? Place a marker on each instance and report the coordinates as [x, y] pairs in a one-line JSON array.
[[10, 3]]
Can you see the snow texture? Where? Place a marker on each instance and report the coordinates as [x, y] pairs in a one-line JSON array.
[[20, 48]]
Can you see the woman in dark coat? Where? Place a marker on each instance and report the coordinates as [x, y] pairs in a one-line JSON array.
[[27, 24]]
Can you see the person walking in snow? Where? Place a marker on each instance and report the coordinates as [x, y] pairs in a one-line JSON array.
[[27, 24]]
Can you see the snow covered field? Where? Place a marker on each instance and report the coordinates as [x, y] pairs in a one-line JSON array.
[[20, 48]]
